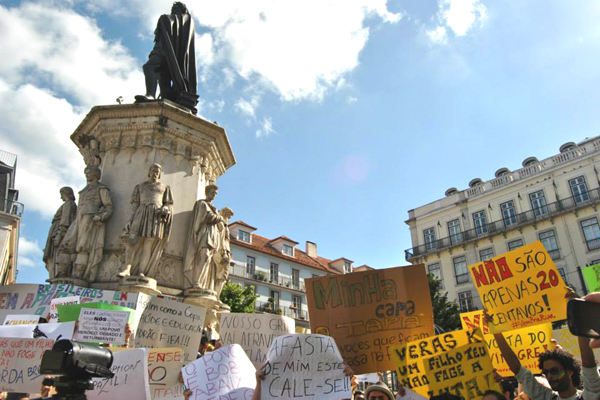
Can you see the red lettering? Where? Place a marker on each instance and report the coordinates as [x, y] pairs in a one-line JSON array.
[[505, 271], [490, 267], [479, 275]]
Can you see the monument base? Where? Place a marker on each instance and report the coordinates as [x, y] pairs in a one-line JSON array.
[[68, 281], [138, 284], [207, 299]]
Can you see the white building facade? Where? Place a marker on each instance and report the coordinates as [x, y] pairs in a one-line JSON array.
[[10, 218], [554, 200], [277, 269]]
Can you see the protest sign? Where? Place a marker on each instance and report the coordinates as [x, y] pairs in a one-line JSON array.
[[102, 326], [591, 275], [63, 301], [369, 312], [54, 331], [371, 378], [254, 332], [167, 323], [569, 342], [521, 288], [410, 395], [20, 364], [527, 343], [456, 362], [71, 312], [164, 366], [130, 381], [18, 319], [303, 366], [220, 373]]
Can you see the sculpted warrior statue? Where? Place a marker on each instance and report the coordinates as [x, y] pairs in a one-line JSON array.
[[85, 238], [202, 242], [222, 257], [147, 233], [172, 62], [61, 221]]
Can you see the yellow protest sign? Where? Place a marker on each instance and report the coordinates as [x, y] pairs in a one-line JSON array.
[[455, 362], [527, 343], [569, 342], [521, 288]]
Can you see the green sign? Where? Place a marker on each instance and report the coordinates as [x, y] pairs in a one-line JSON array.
[[591, 275], [67, 313]]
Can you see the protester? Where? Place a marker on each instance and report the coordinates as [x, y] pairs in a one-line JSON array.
[[358, 395], [508, 389], [492, 395], [378, 391]]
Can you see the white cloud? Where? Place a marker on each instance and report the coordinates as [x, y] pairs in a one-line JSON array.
[[248, 107], [351, 99], [438, 35], [266, 127], [30, 253], [457, 16]]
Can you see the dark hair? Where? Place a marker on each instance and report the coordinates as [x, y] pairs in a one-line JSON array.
[[566, 360], [204, 341], [497, 395], [507, 386]]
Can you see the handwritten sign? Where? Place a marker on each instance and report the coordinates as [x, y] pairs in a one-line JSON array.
[[20, 364], [18, 319], [569, 342], [166, 323], [305, 366], [69, 300], [221, 373], [521, 288], [371, 378], [368, 313], [54, 331], [102, 326], [164, 366], [591, 275], [456, 362], [527, 343], [130, 381], [254, 332]]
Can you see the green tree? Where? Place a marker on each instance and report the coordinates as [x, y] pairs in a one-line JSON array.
[[241, 300], [446, 314]]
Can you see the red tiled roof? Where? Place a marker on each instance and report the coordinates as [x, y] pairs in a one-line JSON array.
[[341, 258], [282, 237], [240, 222], [363, 268], [263, 245]]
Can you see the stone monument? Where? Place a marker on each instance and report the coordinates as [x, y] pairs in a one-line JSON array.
[[61, 221]]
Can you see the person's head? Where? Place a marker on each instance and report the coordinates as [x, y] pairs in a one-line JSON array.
[[508, 390], [492, 395], [92, 173], [358, 395], [561, 369], [66, 193], [203, 342], [179, 8], [154, 172], [211, 191], [378, 391]]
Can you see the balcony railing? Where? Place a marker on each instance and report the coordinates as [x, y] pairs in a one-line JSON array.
[[260, 276], [525, 218], [11, 207], [593, 244], [274, 308]]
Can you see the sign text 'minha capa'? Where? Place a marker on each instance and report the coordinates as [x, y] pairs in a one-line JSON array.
[[340, 292]]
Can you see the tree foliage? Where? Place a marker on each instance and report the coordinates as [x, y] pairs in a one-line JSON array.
[[241, 300], [446, 313]]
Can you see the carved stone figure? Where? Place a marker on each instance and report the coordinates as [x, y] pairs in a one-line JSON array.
[[203, 240], [61, 221], [222, 257], [147, 232], [172, 62], [85, 238]]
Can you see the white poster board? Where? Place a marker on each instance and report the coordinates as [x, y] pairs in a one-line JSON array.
[[102, 326], [254, 332], [368, 378], [164, 366], [61, 301], [304, 366], [55, 331], [167, 323], [20, 364], [130, 381], [222, 372], [19, 319]]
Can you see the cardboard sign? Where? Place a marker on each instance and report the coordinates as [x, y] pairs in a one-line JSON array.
[[591, 275], [20, 364], [18, 319], [456, 362], [370, 378], [569, 342], [130, 381], [368, 313], [55, 331], [303, 366], [63, 301], [221, 373], [102, 326], [72, 312], [527, 343], [164, 366], [166, 323], [254, 332], [521, 288]]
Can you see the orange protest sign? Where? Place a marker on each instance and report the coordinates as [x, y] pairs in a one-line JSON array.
[[520, 288], [369, 312]]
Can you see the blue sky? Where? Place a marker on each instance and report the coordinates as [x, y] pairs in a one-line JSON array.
[[342, 115]]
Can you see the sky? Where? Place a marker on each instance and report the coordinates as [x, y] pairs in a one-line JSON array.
[[343, 115]]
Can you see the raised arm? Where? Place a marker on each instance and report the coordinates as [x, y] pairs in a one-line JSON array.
[[509, 355]]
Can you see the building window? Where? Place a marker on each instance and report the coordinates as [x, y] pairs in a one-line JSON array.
[[454, 231], [486, 254], [579, 190], [275, 296], [250, 265], [549, 241], [315, 276], [480, 223], [509, 215], [429, 236], [347, 267], [296, 279], [435, 270], [515, 244], [244, 236], [465, 300], [274, 273], [538, 203], [591, 231], [297, 302], [460, 270], [562, 273], [288, 250]]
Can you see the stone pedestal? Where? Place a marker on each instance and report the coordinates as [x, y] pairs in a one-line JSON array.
[[139, 284], [68, 281], [126, 140], [207, 299]]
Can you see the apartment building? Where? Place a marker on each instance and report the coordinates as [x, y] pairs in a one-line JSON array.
[[10, 217]]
